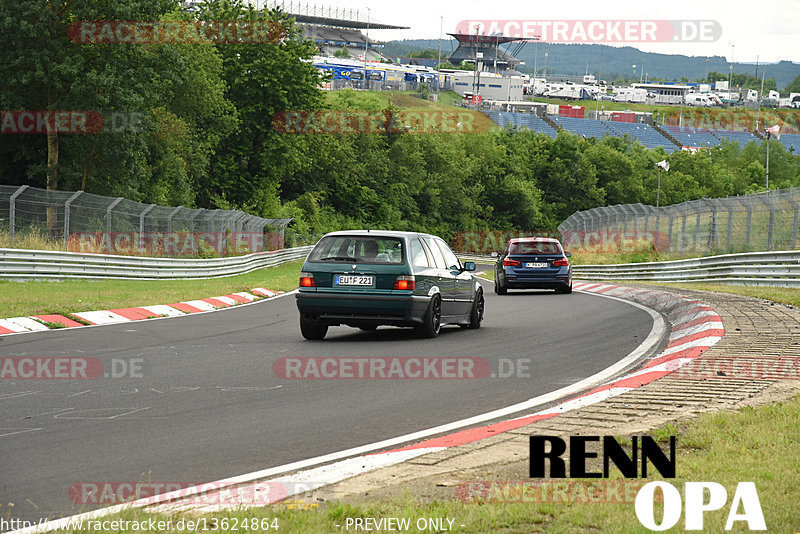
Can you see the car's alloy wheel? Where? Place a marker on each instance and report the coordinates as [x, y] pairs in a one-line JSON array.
[[476, 317], [312, 330], [432, 323]]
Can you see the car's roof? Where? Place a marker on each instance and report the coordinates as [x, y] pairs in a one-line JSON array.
[[379, 233], [534, 239]]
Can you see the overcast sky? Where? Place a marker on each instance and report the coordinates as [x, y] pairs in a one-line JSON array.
[[769, 29]]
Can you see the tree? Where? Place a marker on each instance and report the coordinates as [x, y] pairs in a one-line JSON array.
[[174, 91], [343, 52], [794, 85], [251, 164]]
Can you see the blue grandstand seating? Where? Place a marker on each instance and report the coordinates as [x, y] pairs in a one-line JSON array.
[[791, 141], [740, 137], [521, 120], [644, 133], [693, 136], [584, 127]]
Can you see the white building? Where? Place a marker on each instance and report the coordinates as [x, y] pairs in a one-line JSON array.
[[489, 86]]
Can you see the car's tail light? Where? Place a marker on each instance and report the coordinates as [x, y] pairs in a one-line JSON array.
[[563, 262], [508, 262], [307, 280], [404, 282]]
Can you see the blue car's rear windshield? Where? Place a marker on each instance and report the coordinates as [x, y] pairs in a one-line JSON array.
[[535, 247], [359, 249]]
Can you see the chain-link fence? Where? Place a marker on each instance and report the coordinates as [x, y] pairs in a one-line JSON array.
[[84, 222], [759, 222]]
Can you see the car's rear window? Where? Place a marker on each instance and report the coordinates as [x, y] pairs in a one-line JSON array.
[[359, 249], [535, 247]]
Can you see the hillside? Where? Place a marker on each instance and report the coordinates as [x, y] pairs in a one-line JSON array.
[[609, 63]]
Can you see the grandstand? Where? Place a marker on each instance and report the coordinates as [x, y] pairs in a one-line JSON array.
[[521, 120], [644, 133], [740, 137], [791, 142], [693, 137], [332, 29], [584, 127], [696, 137]]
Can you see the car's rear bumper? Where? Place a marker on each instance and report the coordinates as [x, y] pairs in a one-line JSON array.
[[363, 309], [537, 282]]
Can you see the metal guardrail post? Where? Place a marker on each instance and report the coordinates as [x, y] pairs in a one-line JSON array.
[[142, 215], [794, 221], [67, 205], [747, 224], [108, 215], [697, 231], [12, 210], [171, 216], [192, 217]]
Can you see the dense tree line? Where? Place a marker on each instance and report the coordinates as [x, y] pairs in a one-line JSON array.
[[209, 140]]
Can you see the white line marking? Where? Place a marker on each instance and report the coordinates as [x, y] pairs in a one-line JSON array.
[[11, 431], [654, 337]]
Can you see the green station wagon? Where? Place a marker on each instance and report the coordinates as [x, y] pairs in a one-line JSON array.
[[367, 278]]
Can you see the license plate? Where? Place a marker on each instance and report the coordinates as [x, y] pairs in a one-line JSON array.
[[536, 265], [353, 280]]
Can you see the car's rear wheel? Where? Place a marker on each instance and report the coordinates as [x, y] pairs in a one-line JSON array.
[[565, 289], [311, 329], [432, 322], [476, 317], [499, 288]]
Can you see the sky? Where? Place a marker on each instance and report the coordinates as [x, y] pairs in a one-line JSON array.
[[767, 30]]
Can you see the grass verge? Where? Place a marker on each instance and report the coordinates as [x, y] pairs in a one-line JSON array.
[[69, 296], [751, 445]]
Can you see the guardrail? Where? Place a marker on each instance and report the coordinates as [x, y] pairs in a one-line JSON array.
[[750, 268], [16, 264]]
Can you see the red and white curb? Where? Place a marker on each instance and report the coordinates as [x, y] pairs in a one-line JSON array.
[[38, 323], [695, 327]]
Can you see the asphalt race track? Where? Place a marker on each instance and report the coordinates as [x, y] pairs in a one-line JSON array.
[[207, 405]]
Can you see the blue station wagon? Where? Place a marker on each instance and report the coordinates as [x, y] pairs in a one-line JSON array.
[[367, 278], [533, 263]]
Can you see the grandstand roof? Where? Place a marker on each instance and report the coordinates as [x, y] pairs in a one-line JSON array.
[[344, 23]]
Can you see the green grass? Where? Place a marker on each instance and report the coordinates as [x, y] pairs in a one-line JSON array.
[[753, 444], [68, 296]]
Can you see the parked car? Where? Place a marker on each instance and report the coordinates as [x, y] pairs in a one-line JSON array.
[[533, 263], [367, 278]]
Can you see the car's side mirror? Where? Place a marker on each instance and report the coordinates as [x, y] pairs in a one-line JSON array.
[[494, 254], [568, 254], [469, 265]]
